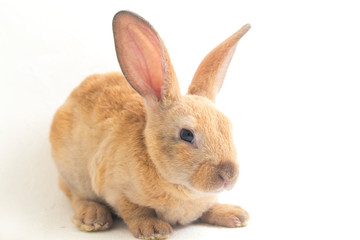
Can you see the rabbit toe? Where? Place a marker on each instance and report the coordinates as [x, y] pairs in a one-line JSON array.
[[150, 229], [227, 216], [91, 216]]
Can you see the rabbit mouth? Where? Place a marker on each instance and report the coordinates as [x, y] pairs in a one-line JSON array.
[[226, 185], [216, 178]]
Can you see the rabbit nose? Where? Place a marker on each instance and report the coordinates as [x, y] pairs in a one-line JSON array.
[[227, 172]]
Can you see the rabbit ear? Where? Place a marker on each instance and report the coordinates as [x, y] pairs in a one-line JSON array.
[[210, 74], [143, 58]]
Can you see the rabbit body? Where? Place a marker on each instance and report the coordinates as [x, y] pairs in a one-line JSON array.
[[100, 151], [131, 144]]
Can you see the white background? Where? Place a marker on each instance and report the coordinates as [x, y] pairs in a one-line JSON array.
[[292, 92]]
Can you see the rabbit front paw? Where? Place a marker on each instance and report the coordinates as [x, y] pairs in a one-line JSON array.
[[150, 228], [226, 215]]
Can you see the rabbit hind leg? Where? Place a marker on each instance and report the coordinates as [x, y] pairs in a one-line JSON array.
[[88, 215]]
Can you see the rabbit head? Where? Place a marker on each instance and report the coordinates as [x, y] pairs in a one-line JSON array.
[[187, 138]]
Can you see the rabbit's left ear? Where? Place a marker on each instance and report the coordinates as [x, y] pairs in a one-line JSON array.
[[210, 74], [143, 58]]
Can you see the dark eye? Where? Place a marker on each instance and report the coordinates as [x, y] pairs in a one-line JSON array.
[[187, 135]]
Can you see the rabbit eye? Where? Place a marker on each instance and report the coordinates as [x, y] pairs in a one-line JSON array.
[[187, 135]]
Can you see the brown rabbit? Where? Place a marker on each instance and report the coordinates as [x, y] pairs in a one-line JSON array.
[[153, 157]]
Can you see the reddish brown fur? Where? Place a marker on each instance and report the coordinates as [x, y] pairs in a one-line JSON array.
[[114, 148]]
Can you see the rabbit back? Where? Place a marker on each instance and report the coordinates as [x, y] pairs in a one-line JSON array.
[[103, 113]]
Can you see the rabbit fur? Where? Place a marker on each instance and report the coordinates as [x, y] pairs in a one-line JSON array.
[[117, 146]]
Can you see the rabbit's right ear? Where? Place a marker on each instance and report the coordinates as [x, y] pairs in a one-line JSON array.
[[210, 74], [143, 58]]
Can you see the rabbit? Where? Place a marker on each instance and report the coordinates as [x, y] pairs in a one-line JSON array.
[[131, 145]]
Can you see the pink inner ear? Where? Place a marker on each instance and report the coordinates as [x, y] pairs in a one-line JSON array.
[[141, 57]]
